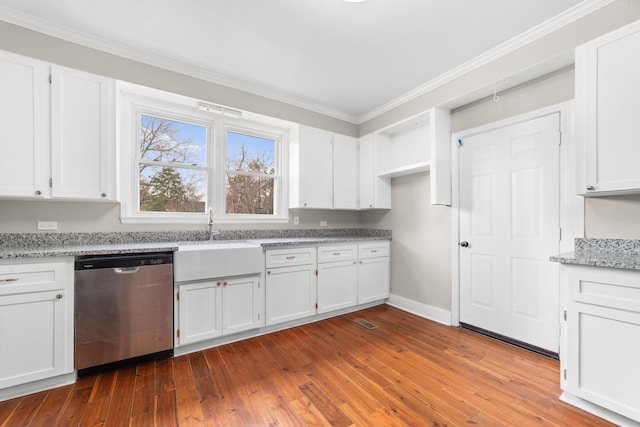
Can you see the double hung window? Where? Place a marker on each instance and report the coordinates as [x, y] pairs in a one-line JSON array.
[[183, 165]]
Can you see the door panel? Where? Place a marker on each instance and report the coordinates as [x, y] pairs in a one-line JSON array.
[[509, 215]]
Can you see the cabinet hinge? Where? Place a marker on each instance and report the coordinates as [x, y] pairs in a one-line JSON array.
[[565, 315], [316, 271], [50, 79], [565, 374], [178, 333], [50, 182], [316, 306], [560, 234], [258, 316], [258, 284], [178, 296]]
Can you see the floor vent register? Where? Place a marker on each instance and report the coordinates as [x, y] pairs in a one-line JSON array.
[[365, 323]]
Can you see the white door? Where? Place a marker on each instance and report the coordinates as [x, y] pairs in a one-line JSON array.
[[199, 312], [509, 227]]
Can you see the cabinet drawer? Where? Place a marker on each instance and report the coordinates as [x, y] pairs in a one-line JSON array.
[[373, 249], [290, 257], [337, 253], [22, 278]]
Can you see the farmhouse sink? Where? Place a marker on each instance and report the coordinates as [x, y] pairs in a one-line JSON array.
[[207, 260]]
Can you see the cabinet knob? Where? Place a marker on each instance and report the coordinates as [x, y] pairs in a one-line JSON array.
[[305, 204], [464, 244], [38, 192], [59, 296], [224, 283], [103, 195], [370, 205], [218, 283], [590, 188]]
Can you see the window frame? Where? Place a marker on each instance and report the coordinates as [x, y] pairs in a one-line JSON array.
[[135, 101], [261, 131]]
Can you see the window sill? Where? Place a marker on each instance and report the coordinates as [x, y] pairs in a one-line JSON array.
[[201, 219]]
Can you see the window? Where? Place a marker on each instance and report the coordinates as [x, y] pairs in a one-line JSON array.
[[172, 163], [180, 164], [251, 173]]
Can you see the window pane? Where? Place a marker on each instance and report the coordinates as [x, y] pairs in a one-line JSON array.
[[165, 189], [250, 153], [169, 141], [249, 194]]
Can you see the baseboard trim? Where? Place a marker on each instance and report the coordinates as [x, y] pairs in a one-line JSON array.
[[420, 309]]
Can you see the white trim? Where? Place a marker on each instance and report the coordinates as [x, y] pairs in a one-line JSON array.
[[419, 309], [567, 17], [571, 205], [597, 410], [179, 65]]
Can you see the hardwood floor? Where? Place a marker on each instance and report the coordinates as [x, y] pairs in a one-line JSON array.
[[407, 371]]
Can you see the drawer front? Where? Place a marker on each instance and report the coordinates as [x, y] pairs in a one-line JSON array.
[[290, 257], [337, 253], [373, 250], [23, 278]]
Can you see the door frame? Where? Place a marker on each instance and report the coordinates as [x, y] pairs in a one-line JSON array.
[[571, 205]]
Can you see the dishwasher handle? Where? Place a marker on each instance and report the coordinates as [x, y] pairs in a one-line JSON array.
[[126, 270]]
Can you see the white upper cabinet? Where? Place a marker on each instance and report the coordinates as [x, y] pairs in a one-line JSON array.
[[58, 131], [24, 120], [418, 144], [82, 135], [608, 112], [375, 191], [323, 170], [345, 172]]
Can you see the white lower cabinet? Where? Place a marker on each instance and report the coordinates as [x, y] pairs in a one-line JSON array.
[[337, 277], [602, 345], [305, 281], [291, 293], [36, 321], [373, 271], [212, 308]]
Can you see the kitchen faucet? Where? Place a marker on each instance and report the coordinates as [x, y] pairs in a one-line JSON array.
[[211, 231]]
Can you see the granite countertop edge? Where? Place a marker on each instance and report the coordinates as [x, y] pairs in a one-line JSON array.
[[7, 253], [609, 253]]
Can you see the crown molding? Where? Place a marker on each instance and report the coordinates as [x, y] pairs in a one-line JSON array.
[[153, 57], [570, 15]]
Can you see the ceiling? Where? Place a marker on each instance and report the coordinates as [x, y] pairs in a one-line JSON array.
[[347, 60]]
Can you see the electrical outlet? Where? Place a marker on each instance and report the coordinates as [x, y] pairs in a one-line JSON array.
[[323, 223], [296, 220], [47, 225]]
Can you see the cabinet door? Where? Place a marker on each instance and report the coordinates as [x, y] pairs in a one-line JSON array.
[[82, 137], [603, 353], [374, 192], [345, 172], [33, 336], [608, 107], [315, 168], [290, 293], [337, 285], [240, 304], [199, 312], [373, 279], [24, 121]]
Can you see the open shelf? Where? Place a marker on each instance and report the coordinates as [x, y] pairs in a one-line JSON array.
[[405, 170]]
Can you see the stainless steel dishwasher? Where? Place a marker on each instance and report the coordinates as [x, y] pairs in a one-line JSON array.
[[123, 308]]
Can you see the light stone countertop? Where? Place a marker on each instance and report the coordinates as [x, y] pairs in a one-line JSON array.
[[14, 246], [609, 253]]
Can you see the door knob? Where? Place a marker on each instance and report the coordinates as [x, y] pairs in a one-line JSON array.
[[464, 244]]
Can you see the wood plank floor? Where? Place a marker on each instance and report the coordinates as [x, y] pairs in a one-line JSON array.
[[408, 371]]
